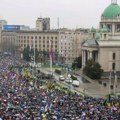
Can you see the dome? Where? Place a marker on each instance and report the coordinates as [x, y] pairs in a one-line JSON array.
[[93, 29], [113, 10]]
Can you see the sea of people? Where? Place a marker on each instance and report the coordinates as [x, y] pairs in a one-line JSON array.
[[21, 100]]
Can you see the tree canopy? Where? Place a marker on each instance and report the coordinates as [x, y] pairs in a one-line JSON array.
[[93, 70]]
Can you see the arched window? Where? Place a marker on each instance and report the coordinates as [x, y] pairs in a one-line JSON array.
[[114, 56], [113, 66]]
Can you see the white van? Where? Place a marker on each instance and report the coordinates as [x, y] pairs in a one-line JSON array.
[[75, 83]]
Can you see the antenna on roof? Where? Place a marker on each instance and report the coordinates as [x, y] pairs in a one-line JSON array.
[[58, 23]]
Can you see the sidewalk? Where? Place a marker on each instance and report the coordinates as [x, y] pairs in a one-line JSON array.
[[94, 88]]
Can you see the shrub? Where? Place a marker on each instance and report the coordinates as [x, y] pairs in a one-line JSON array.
[[58, 71]]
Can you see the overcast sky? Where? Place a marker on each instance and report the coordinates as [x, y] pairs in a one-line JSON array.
[[71, 13]]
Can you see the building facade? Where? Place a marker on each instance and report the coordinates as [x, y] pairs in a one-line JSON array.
[[43, 24], [69, 45], [104, 45]]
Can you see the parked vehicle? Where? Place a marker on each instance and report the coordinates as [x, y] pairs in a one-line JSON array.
[[75, 83], [68, 80], [61, 78]]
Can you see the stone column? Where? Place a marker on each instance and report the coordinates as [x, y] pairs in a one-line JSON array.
[[82, 59], [90, 54], [113, 28]]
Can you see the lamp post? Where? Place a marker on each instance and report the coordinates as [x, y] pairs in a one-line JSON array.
[[110, 83], [69, 76], [115, 85]]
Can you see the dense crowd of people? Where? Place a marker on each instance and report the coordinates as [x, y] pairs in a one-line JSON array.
[[21, 100]]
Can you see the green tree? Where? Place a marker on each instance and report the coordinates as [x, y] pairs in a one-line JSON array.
[[26, 53], [77, 63], [93, 70]]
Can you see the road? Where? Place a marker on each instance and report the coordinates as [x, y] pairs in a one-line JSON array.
[[90, 88]]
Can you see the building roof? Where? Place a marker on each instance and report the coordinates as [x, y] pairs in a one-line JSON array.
[[91, 43], [113, 10]]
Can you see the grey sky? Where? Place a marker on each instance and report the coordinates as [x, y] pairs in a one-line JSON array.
[[71, 13]]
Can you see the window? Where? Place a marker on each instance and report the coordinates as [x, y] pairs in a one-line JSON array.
[[39, 37], [51, 37], [104, 36], [114, 56], [31, 37], [113, 66], [35, 37], [43, 37], [47, 37], [56, 38]]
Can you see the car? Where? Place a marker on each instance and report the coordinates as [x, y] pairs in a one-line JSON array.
[[38, 65], [68, 80], [76, 83], [61, 78]]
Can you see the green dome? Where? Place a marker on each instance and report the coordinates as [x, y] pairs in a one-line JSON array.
[[97, 36], [113, 10], [93, 29]]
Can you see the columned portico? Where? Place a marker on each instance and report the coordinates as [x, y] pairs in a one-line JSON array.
[[90, 55], [87, 55]]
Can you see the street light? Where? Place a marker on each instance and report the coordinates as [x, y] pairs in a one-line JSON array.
[[110, 83], [115, 85], [69, 76]]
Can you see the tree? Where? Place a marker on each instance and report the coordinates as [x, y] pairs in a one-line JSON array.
[[93, 70], [77, 63], [26, 53]]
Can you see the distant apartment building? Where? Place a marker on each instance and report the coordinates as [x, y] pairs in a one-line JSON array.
[[70, 44], [43, 24]]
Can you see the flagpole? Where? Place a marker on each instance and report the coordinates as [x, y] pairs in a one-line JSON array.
[[51, 58], [34, 52]]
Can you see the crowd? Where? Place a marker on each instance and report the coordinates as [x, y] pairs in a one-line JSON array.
[[21, 100]]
